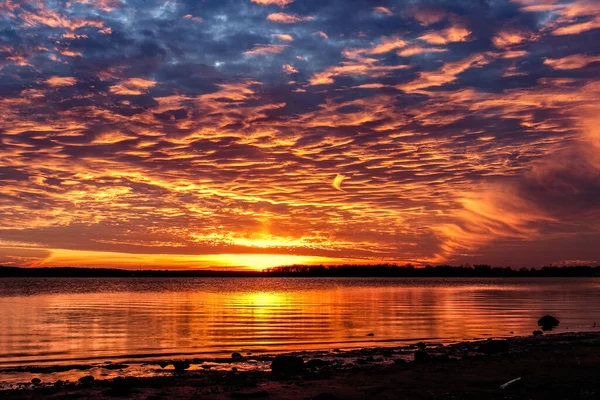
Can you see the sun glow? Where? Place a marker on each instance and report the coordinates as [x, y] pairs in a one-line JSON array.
[[101, 259]]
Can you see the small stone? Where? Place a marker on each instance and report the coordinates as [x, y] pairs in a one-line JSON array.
[[287, 365], [236, 356], [36, 381], [181, 365], [547, 322], [370, 334]]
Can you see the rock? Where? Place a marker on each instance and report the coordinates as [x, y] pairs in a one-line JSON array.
[[537, 332], [547, 322], [421, 346], [181, 365], [86, 380], [58, 383], [422, 356], [287, 365], [370, 334], [163, 364], [234, 369], [236, 356], [494, 346], [36, 381]]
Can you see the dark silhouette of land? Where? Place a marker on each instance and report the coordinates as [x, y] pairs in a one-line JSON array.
[[314, 271], [564, 366]]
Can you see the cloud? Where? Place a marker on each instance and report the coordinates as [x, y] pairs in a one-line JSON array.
[[446, 74], [289, 69], [193, 18], [383, 10], [61, 81], [578, 28], [266, 49], [574, 61], [280, 3], [512, 37], [283, 36], [284, 18], [417, 50], [132, 86], [452, 34]]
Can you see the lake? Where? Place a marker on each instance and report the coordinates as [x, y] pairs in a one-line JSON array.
[[72, 320]]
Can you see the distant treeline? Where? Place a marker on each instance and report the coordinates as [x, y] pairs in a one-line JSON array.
[[74, 272], [390, 270], [351, 271]]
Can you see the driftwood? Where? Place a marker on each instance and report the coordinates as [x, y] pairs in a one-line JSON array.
[[507, 384]]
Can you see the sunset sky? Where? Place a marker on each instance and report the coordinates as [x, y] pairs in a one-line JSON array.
[[188, 133]]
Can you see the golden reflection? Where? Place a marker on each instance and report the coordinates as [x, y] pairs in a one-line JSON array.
[[77, 319]]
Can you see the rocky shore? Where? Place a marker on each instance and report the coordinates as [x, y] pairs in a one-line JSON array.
[[561, 366]]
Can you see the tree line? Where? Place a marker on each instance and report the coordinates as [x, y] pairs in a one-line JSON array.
[[350, 271]]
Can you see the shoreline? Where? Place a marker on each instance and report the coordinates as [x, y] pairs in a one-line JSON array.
[[548, 365]]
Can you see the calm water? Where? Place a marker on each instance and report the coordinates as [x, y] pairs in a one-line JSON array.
[[61, 321]]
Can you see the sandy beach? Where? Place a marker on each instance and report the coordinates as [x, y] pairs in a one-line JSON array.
[[561, 366]]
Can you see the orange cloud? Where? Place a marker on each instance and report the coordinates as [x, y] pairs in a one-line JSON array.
[[132, 86], [280, 3], [284, 18], [487, 214], [455, 33], [322, 34], [383, 10], [103, 5], [193, 18], [444, 75], [571, 62], [61, 81], [266, 49], [284, 37], [289, 69], [512, 37], [388, 43], [416, 50], [575, 29], [53, 19]]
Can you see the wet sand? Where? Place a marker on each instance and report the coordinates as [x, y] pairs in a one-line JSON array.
[[562, 366]]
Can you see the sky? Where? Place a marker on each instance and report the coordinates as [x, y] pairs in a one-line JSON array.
[[190, 134]]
